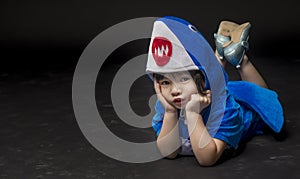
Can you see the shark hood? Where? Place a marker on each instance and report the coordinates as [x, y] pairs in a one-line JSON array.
[[176, 45]]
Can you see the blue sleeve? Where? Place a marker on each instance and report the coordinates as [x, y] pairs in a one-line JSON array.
[[232, 126], [158, 117]]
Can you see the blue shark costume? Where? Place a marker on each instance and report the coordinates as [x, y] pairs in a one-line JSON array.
[[239, 109]]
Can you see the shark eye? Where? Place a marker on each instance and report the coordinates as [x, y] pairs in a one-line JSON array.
[[193, 28]]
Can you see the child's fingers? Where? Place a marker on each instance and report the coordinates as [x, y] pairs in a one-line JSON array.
[[158, 91], [208, 100], [207, 92], [156, 87], [203, 99], [199, 101], [207, 96]]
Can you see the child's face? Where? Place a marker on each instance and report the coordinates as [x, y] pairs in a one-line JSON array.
[[177, 88]]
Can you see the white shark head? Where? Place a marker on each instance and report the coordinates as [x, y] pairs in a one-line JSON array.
[[166, 53]]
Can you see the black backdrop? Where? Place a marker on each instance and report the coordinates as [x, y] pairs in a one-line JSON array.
[[50, 35]]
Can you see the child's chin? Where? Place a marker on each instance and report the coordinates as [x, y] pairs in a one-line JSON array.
[[180, 106]]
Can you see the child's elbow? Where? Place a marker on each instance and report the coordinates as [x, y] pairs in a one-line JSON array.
[[206, 163], [167, 150], [172, 155], [167, 154]]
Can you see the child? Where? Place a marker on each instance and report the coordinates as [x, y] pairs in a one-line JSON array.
[[198, 111]]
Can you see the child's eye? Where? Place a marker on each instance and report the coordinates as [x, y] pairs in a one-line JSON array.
[[183, 79], [165, 82]]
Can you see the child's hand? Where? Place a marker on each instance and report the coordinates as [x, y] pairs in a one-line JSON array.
[[168, 107], [198, 102]]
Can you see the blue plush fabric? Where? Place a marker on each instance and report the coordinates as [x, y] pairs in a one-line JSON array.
[[264, 101]]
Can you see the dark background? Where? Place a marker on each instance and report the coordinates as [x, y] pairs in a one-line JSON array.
[[41, 42], [40, 35]]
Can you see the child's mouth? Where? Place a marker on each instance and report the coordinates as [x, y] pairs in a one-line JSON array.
[[177, 101]]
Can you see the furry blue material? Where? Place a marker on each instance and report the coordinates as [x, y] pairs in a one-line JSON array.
[[264, 101]]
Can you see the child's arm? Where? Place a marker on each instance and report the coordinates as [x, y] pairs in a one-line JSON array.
[[167, 145], [168, 139], [206, 149]]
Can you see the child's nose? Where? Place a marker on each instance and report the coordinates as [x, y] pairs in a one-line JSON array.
[[175, 90]]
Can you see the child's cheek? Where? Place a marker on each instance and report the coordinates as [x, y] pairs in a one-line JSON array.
[[164, 94]]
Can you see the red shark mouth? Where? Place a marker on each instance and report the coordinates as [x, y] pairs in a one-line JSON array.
[[161, 50]]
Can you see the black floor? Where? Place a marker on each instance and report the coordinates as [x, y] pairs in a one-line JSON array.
[[40, 137]]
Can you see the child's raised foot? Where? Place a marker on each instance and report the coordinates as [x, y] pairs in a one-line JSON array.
[[232, 41]]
